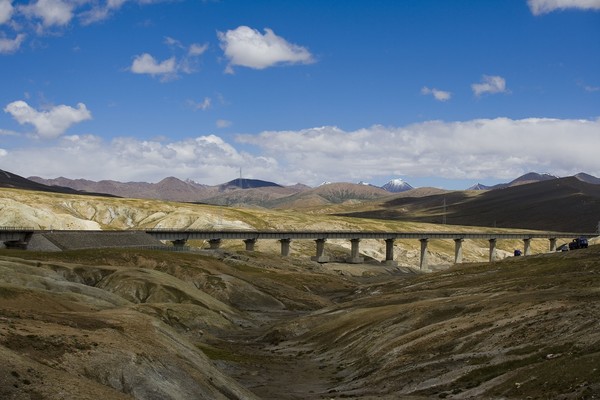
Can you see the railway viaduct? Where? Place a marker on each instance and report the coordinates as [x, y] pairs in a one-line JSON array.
[[21, 236]]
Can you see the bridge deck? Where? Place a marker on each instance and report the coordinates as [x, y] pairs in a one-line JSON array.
[[173, 234]]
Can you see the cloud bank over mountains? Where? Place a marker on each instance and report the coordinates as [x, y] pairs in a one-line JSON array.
[[498, 148], [539, 7]]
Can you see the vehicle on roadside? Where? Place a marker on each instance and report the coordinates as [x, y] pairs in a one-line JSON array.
[[578, 243]]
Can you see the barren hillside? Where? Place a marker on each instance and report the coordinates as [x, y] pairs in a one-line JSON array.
[[145, 325]]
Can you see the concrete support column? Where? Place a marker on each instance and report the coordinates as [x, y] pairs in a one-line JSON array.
[[423, 262], [320, 257], [553, 244], [355, 257], [250, 244], [526, 247], [458, 254], [214, 243], [492, 249], [389, 253], [285, 247], [179, 242]]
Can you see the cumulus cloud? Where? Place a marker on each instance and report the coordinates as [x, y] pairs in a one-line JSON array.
[[490, 84], [439, 95], [247, 47], [207, 159], [6, 11], [101, 12], [51, 12], [169, 69], [539, 7], [483, 148], [11, 45], [499, 148], [48, 123], [146, 64]]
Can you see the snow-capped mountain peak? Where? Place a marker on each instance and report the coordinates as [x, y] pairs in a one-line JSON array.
[[397, 185]]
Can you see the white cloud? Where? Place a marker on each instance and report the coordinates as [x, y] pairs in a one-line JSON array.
[[499, 148], [51, 12], [197, 49], [490, 84], [3, 152], [169, 69], [100, 13], [539, 7], [247, 47], [6, 11], [203, 105], [11, 45], [484, 148], [439, 95], [223, 123], [591, 88], [207, 159], [146, 64], [51, 123]]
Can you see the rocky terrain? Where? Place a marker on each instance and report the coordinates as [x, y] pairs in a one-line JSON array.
[[158, 325], [147, 324]]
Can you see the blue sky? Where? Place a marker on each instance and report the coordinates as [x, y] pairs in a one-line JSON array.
[[439, 93]]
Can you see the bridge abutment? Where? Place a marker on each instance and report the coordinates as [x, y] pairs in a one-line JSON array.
[[552, 244]]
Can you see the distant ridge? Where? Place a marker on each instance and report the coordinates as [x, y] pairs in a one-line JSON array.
[[479, 186], [530, 177], [244, 183], [10, 180], [588, 178]]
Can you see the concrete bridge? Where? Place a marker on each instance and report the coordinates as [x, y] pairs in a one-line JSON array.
[[214, 238], [19, 237]]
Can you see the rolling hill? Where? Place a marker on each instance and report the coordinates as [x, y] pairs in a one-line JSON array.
[[564, 204]]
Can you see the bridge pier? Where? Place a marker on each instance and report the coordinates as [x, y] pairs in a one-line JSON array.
[[492, 249], [355, 257], [526, 247], [552, 244], [423, 262], [214, 243], [389, 253], [250, 244], [320, 257], [285, 247], [179, 242], [458, 253]]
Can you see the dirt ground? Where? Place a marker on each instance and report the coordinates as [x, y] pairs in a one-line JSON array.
[[155, 325]]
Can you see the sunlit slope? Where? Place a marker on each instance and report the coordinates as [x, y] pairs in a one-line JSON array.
[[517, 328], [58, 211], [131, 322]]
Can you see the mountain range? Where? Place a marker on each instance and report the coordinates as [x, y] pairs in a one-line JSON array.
[[533, 201]]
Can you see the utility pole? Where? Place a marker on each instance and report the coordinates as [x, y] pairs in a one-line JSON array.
[[444, 214]]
